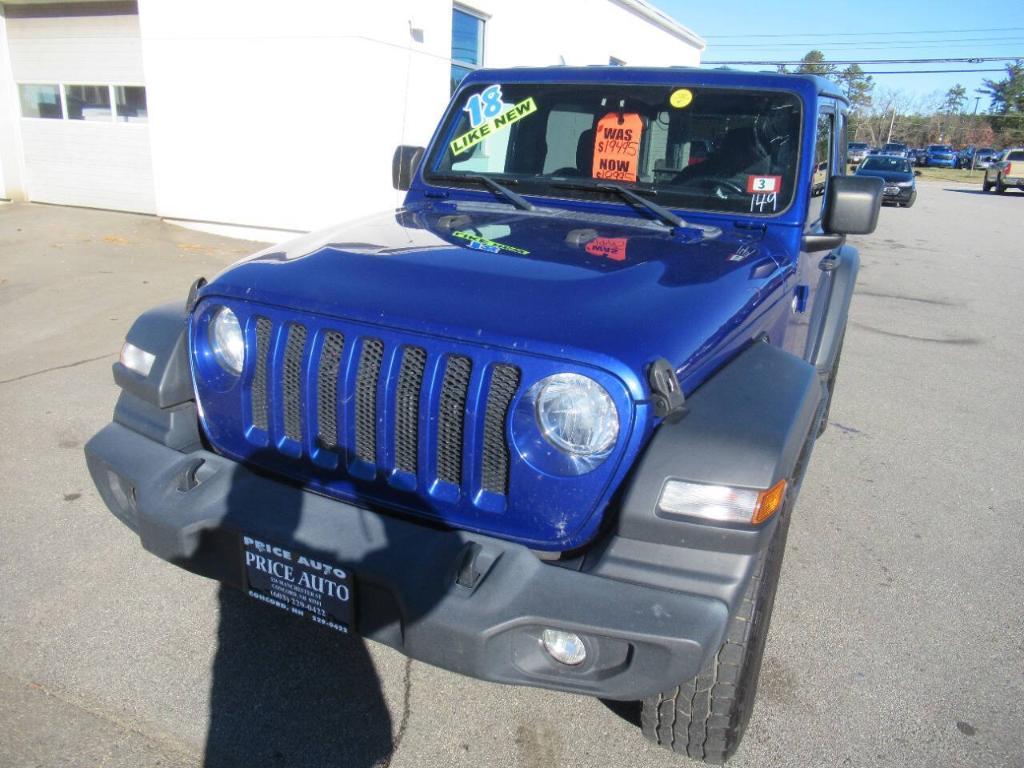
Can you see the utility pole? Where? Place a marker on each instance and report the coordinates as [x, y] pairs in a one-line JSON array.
[[893, 120], [976, 100]]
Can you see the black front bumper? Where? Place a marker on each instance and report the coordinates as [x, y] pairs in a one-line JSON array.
[[650, 614]]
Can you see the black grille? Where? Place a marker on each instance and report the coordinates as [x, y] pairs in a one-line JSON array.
[[504, 383], [259, 379], [407, 408], [327, 390], [450, 418], [291, 381], [366, 399]]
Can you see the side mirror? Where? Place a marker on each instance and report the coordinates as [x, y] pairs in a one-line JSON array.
[[403, 166], [917, 173], [852, 205]]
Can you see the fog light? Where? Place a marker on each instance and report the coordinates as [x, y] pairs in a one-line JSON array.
[[136, 359], [564, 647]]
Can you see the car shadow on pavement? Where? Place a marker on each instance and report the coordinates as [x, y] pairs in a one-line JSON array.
[[284, 691]]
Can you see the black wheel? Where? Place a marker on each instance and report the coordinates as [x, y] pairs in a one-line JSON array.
[[911, 201], [704, 718], [1000, 187], [986, 185]]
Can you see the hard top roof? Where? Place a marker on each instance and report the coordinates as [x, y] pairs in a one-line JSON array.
[[806, 85]]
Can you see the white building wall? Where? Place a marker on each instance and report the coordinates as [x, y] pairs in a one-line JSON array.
[[576, 32], [286, 116], [11, 186]]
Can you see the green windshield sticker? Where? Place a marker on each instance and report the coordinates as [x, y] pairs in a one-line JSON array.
[[483, 244], [492, 125]]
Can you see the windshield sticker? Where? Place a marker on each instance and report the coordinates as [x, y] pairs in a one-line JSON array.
[[681, 98], [763, 184], [478, 243], [488, 114], [616, 144], [613, 248]]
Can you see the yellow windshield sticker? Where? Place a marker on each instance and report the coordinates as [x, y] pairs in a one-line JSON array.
[[492, 125], [681, 98], [483, 244]]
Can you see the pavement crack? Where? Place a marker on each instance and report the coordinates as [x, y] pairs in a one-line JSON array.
[[404, 720], [55, 368], [96, 711]]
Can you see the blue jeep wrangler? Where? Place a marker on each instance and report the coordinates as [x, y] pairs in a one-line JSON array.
[[545, 424]]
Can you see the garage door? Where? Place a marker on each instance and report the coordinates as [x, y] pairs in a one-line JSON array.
[[84, 118]]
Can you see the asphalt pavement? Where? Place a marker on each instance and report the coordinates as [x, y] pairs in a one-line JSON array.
[[897, 635]]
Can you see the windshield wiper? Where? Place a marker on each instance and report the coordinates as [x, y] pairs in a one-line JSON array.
[[663, 214], [500, 190]]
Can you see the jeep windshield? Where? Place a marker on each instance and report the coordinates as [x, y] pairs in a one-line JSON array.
[[704, 149]]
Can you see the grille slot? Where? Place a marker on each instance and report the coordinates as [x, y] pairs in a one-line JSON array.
[[504, 384], [327, 390], [259, 379], [451, 417], [368, 375], [291, 381], [407, 408]]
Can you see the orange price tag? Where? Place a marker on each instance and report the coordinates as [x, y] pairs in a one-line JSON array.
[[613, 248], [617, 146]]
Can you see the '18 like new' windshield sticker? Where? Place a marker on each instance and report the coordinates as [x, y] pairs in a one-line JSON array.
[[616, 145], [488, 114]]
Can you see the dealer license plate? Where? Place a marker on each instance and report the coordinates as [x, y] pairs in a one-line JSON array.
[[299, 583]]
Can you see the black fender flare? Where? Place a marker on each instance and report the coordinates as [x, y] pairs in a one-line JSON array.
[[160, 405], [747, 426]]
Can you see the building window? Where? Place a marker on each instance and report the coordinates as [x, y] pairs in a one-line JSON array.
[[130, 101], [41, 101], [88, 102], [467, 44], [101, 103]]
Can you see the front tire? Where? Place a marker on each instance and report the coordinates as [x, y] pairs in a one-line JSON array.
[[1000, 187], [986, 185], [705, 717]]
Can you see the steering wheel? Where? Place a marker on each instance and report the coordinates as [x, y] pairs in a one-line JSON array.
[[716, 184]]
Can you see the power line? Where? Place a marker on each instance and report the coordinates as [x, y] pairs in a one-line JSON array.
[[964, 60], [928, 71], [878, 43], [859, 34]]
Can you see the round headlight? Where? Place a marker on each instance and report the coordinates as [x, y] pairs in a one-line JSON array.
[[577, 415], [227, 341]]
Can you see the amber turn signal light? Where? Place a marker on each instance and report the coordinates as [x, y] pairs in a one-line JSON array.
[[768, 502]]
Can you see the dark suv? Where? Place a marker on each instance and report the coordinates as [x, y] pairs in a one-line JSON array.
[[546, 422]]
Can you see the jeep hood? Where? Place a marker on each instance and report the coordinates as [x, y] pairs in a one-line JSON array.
[[600, 288]]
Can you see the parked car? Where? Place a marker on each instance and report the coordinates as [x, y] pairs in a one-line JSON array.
[[531, 426], [895, 148], [980, 158], [940, 155], [898, 176], [1007, 170], [918, 155], [856, 151]]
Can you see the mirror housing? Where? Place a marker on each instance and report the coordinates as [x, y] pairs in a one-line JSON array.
[[852, 205], [917, 173], [403, 166]]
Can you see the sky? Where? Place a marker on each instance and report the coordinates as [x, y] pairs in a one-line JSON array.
[[864, 30]]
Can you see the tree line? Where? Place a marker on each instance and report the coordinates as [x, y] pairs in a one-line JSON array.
[[878, 115]]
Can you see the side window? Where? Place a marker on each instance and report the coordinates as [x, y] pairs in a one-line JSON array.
[[823, 154]]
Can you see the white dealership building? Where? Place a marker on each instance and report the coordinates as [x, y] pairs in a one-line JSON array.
[[261, 114]]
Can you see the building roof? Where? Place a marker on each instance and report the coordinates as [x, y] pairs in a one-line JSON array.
[[663, 21]]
